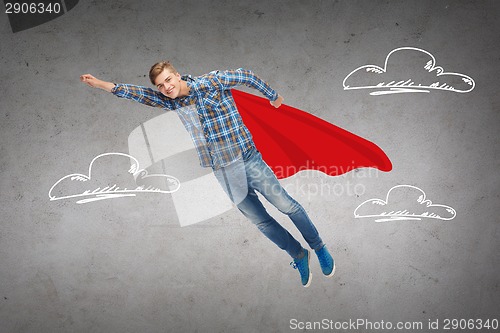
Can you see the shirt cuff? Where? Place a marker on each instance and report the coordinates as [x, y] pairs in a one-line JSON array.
[[274, 97], [116, 88]]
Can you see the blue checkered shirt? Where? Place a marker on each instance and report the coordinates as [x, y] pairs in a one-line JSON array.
[[208, 113]]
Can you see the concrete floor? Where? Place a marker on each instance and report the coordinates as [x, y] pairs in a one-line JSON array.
[[126, 265]]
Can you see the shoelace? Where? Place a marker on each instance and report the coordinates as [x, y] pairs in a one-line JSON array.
[[299, 266]]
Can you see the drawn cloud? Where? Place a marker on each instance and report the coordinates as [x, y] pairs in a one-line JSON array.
[[407, 69], [403, 202], [109, 178]]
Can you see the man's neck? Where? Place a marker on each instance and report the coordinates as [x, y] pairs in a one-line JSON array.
[[184, 89]]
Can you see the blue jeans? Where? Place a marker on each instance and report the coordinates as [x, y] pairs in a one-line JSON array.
[[242, 179]]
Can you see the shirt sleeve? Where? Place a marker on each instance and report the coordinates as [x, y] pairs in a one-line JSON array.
[[143, 95], [233, 78]]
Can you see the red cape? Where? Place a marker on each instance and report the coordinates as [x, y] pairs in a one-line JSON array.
[[291, 140]]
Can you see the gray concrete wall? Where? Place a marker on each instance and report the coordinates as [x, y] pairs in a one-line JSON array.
[[126, 265]]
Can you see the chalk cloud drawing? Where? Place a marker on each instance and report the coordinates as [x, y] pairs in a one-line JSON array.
[[404, 202], [108, 178], [407, 70]]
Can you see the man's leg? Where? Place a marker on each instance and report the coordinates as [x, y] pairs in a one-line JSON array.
[[262, 178], [233, 180], [253, 209]]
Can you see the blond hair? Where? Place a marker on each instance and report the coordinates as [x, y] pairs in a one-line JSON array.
[[157, 68]]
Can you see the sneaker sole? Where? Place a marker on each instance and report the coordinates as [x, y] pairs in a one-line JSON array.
[[309, 267], [333, 271]]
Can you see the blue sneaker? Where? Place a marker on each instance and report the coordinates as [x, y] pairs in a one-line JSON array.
[[326, 261], [303, 266]]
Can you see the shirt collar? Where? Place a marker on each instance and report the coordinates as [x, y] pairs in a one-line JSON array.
[[189, 81], [187, 78]]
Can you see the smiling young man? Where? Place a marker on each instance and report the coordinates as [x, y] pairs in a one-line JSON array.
[[224, 143]]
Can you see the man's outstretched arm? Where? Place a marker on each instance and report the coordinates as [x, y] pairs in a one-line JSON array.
[[143, 95], [94, 82]]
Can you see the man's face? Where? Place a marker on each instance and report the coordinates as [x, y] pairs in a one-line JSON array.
[[168, 83]]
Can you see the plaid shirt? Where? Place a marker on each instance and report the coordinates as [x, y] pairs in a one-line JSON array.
[[208, 113]]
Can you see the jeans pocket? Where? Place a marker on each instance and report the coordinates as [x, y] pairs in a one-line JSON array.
[[249, 154]]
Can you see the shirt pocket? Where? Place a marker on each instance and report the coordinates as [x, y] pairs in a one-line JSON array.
[[213, 101]]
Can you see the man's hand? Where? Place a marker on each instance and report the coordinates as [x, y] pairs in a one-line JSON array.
[[90, 80], [93, 82], [277, 102]]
